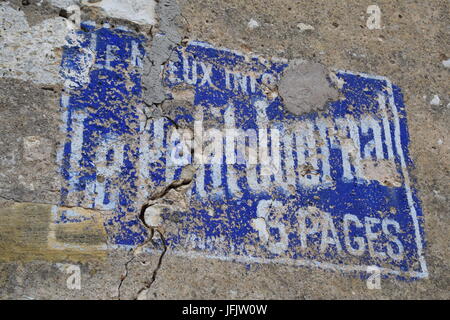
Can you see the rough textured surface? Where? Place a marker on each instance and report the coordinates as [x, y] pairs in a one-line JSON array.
[[410, 49], [30, 135], [30, 53]]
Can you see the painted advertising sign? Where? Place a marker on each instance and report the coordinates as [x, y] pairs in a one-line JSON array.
[[327, 189]]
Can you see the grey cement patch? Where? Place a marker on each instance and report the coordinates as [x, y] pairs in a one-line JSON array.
[[169, 35], [304, 87]]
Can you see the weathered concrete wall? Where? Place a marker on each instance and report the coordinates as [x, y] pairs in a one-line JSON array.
[[121, 228]]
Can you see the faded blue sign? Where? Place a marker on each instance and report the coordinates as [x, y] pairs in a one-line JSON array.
[[329, 189], [100, 112]]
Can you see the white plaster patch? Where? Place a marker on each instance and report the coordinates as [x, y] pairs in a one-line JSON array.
[[252, 24], [30, 53], [446, 63], [304, 27], [137, 11], [37, 148], [63, 3], [152, 215], [435, 101]]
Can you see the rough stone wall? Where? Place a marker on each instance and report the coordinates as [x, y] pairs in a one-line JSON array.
[[316, 37]]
